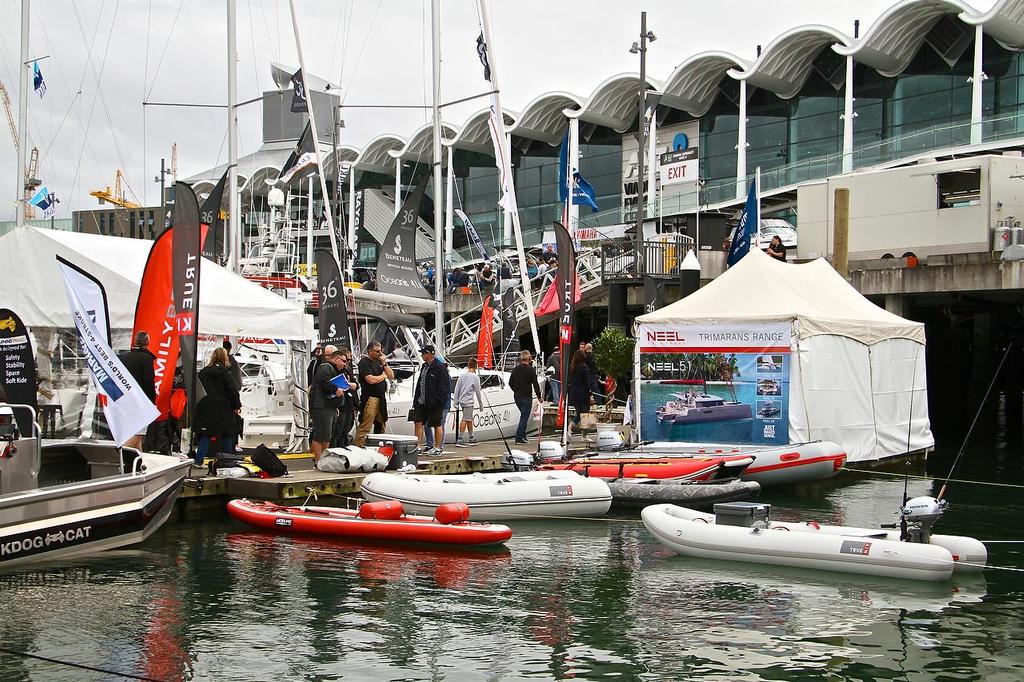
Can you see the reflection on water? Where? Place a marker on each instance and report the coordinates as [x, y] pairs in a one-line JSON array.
[[568, 599]]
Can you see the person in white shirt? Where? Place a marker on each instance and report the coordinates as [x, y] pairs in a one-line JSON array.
[[465, 387]]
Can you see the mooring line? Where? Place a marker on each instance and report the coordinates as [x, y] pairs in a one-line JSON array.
[[80, 666], [932, 478]]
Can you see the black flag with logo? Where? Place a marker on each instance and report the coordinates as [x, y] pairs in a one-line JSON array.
[[18, 370], [565, 279], [481, 51], [396, 262], [300, 104], [300, 163], [186, 259], [509, 325], [213, 246], [332, 313]]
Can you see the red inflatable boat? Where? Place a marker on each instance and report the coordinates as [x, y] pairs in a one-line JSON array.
[[374, 521], [682, 468]]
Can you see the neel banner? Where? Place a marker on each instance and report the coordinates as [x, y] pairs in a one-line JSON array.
[[18, 368], [213, 247], [332, 316], [396, 262], [565, 280], [485, 342], [186, 260], [125, 405]]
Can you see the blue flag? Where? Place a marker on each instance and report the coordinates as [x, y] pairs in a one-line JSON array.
[[747, 227], [37, 79], [44, 201], [583, 193]]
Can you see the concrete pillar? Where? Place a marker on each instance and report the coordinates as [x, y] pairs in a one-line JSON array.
[[652, 167], [398, 184], [841, 231], [983, 363], [977, 80], [617, 307], [896, 304], [848, 116], [449, 210], [741, 144]]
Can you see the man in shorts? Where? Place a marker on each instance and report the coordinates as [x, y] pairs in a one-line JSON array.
[[465, 388], [324, 398], [433, 386]]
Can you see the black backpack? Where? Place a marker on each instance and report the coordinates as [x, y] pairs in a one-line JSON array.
[[266, 460]]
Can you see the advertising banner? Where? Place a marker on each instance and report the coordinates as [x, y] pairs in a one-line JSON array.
[[726, 383], [332, 313], [396, 262], [18, 371]]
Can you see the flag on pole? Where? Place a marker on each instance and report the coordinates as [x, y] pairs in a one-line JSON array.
[[126, 406], [37, 80], [481, 51], [583, 193], [43, 200], [747, 227], [474, 236], [300, 163], [300, 104], [485, 342]]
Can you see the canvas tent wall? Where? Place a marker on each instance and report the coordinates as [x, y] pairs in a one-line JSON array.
[[857, 372], [228, 305]]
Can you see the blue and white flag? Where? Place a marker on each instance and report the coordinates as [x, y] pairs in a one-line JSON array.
[[583, 193], [747, 227], [474, 236], [126, 407], [37, 79], [43, 201]]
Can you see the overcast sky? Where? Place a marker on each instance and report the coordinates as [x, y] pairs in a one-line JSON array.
[[107, 56]]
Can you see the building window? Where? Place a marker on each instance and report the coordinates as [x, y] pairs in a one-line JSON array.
[[959, 188]]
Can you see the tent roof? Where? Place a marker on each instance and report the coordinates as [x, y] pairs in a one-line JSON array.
[[762, 289], [228, 304]]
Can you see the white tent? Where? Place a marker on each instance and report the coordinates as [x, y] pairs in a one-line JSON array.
[[228, 304], [857, 372]]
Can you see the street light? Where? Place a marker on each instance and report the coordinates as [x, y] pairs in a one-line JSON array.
[[650, 289]]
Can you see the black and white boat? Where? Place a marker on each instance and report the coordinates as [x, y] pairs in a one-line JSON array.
[[68, 498]]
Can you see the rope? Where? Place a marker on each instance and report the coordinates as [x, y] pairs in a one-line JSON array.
[[931, 478], [78, 665]]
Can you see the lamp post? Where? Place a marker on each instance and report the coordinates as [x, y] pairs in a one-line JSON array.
[[640, 47]]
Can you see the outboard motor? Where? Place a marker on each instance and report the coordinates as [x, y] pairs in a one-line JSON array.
[[550, 451], [517, 460], [609, 439], [918, 516]]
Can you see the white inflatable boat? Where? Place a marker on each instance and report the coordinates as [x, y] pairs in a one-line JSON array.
[[508, 495], [810, 545]]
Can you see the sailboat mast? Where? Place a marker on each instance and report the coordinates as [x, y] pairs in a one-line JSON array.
[[233, 243], [435, 44], [22, 113], [500, 123], [316, 137]]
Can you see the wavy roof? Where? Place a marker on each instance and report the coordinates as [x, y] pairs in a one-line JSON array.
[[887, 45]]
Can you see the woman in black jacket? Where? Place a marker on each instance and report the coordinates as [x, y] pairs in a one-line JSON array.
[[217, 420], [579, 385]]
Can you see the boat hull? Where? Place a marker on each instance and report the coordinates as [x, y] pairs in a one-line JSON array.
[[676, 468], [707, 415], [851, 550], [637, 494], [500, 496], [346, 523], [773, 465], [65, 521]]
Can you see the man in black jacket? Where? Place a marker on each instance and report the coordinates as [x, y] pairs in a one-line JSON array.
[[139, 362], [433, 386], [324, 398], [523, 382]]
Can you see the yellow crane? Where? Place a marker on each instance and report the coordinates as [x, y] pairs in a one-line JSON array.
[[31, 183], [117, 196]]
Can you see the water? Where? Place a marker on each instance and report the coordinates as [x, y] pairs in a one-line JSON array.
[[588, 600]]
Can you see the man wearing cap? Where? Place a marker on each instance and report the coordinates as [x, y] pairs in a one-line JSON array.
[[433, 388]]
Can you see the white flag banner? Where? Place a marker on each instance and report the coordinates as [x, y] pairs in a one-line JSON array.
[[126, 407]]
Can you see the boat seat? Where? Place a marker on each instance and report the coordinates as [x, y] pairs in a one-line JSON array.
[[452, 480]]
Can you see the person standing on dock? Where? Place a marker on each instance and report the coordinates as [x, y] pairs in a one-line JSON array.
[[554, 364], [324, 400], [216, 420], [374, 373], [347, 408], [433, 388], [523, 382], [579, 388], [465, 387], [140, 363]]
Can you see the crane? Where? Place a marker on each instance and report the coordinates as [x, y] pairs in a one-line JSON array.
[[10, 114], [117, 196], [31, 183]]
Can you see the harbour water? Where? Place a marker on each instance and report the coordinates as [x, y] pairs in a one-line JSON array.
[[580, 599]]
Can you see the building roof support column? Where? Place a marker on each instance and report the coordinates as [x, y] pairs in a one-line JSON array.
[[398, 183], [741, 144], [977, 81], [573, 162], [848, 116]]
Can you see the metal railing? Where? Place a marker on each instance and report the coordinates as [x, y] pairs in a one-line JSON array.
[[663, 257], [463, 331]]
